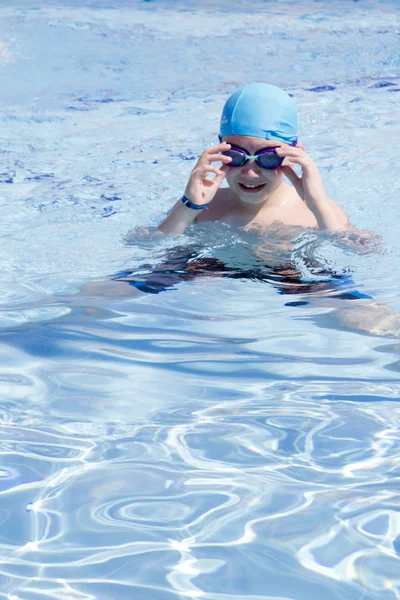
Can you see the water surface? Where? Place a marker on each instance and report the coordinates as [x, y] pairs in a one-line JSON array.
[[219, 420]]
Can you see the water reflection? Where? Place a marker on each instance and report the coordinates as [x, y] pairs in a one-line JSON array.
[[226, 488], [194, 449], [209, 423]]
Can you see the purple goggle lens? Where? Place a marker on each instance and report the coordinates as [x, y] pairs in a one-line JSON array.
[[266, 158]]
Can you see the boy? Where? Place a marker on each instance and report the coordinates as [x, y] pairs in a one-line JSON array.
[[258, 148]]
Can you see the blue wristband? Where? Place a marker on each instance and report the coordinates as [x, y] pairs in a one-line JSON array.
[[192, 205]]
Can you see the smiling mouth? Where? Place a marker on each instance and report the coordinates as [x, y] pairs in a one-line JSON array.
[[251, 188]]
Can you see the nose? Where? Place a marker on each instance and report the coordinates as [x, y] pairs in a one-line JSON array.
[[251, 169]]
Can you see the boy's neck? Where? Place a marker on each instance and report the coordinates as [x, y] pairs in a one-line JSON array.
[[274, 200]]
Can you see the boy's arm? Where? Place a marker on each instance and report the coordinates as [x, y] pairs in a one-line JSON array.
[[199, 191], [310, 188], [178, 219], [328, 214]]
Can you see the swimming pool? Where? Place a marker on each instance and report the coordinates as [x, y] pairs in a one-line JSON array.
[[224, 433]]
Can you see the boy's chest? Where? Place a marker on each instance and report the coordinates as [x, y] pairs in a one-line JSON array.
[[298, 215]]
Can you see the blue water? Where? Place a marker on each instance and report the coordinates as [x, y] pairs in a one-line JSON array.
[[228, 428]]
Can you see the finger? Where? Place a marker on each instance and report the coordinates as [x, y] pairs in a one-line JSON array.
[[298, 157], [212, 169], [219, 157], [215, 149], [290, 173], [218, 179], [289, 151], [297, 154], [286, 162], [201, 171]]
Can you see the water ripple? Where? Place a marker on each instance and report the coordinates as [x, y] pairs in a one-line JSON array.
[[227, 437]]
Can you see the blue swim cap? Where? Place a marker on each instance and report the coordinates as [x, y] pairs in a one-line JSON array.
[[260, 110]]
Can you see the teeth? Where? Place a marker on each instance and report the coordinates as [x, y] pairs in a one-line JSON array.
[[251, 186]]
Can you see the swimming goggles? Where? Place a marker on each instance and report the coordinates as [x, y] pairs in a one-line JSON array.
[[266, 158]]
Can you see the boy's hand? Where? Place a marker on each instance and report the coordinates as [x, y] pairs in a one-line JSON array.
[[309, 186], [201, 189]]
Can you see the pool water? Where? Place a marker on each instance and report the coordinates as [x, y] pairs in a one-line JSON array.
[[210, 415]]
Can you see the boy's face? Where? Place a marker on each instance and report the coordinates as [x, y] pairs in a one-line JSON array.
[[252, 183]]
